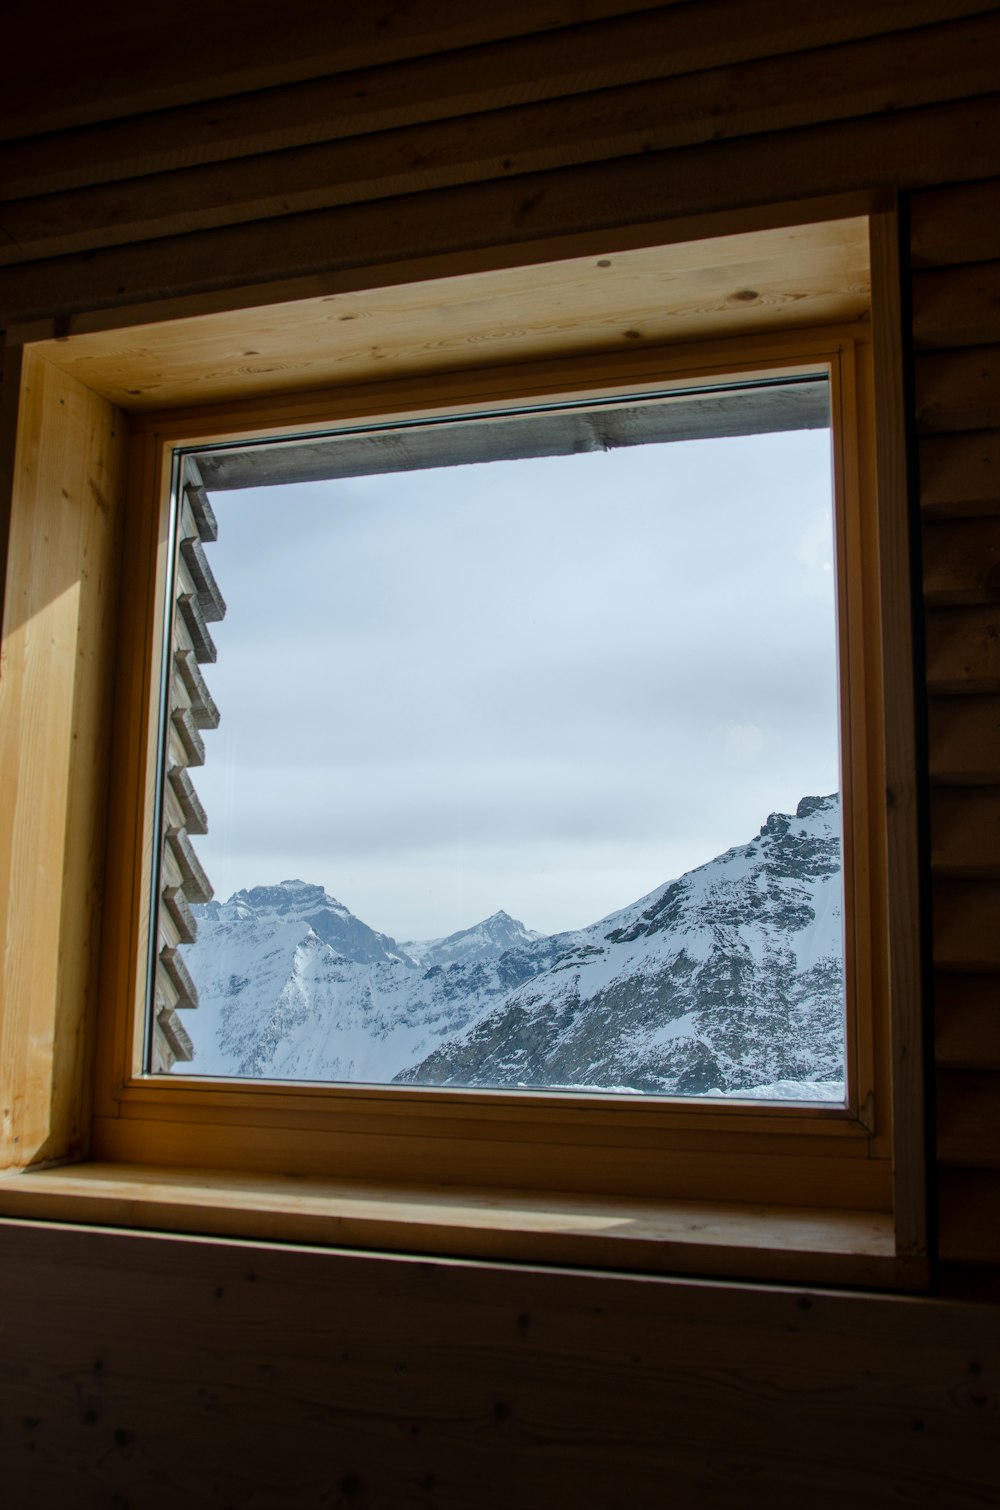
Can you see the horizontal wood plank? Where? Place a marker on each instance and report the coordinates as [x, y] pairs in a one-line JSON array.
[[666, 42], [115, 61], [969, 1216], [954, 224], [288, 1375], [958, 390], [957, 306], [854, 80], [964, 739], [965, 932], [960, 474], [968, 1118], [967, 1021], [961, 561], [659, 1237], [646, 297], [965, 831], [963, 649], [301, 251]]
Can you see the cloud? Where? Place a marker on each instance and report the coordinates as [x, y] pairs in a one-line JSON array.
[[562, 660]]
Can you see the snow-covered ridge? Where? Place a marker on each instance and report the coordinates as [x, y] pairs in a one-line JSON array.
[[727, 978]]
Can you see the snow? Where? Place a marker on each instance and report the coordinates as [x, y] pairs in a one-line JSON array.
[[705, 976]]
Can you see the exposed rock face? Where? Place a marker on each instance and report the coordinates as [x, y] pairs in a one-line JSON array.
[[729, 978], [293, 986]]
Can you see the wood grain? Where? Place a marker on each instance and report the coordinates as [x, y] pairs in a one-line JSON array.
[[862, 78], [963, 649], [958, 390], [957, 306], [955, 224], [965, 915], [967, 1021], [845, 156], [969, 1207], [629, 299], [968, 1118], [961, 561], [115, 63], [965, 831], [55, 696], [960, 474], [667, 42], [167, 1373], [964, 738], [777, 1242]]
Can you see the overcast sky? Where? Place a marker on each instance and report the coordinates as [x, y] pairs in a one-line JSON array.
[[545, 686]]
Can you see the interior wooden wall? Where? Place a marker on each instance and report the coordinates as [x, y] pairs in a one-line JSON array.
[[181, 152]]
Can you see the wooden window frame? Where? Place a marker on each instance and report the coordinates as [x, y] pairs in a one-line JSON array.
[[767, 1191]]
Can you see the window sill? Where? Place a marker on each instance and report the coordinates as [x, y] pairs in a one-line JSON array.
[[782, 1244]]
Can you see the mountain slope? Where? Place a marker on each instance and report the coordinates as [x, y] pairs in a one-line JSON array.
[[726, 979], [293, 986]]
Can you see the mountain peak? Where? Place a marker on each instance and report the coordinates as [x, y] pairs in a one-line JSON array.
[[486, 940], [810, 805]]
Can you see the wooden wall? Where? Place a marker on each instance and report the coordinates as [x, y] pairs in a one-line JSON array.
[[261, 145], [955, 250]]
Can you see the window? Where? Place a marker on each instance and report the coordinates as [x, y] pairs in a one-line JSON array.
[[554, 662], [593, 1152]]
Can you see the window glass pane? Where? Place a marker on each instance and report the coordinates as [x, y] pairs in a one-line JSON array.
[[526, 776]]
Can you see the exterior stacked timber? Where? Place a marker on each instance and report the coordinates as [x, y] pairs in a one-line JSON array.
[[955, 249], [191, 708]]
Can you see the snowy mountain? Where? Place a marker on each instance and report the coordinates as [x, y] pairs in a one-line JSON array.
[[292, 985], [487, 940], [727, 979]]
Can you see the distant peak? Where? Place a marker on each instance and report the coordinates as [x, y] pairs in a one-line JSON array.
[[284, 894]]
